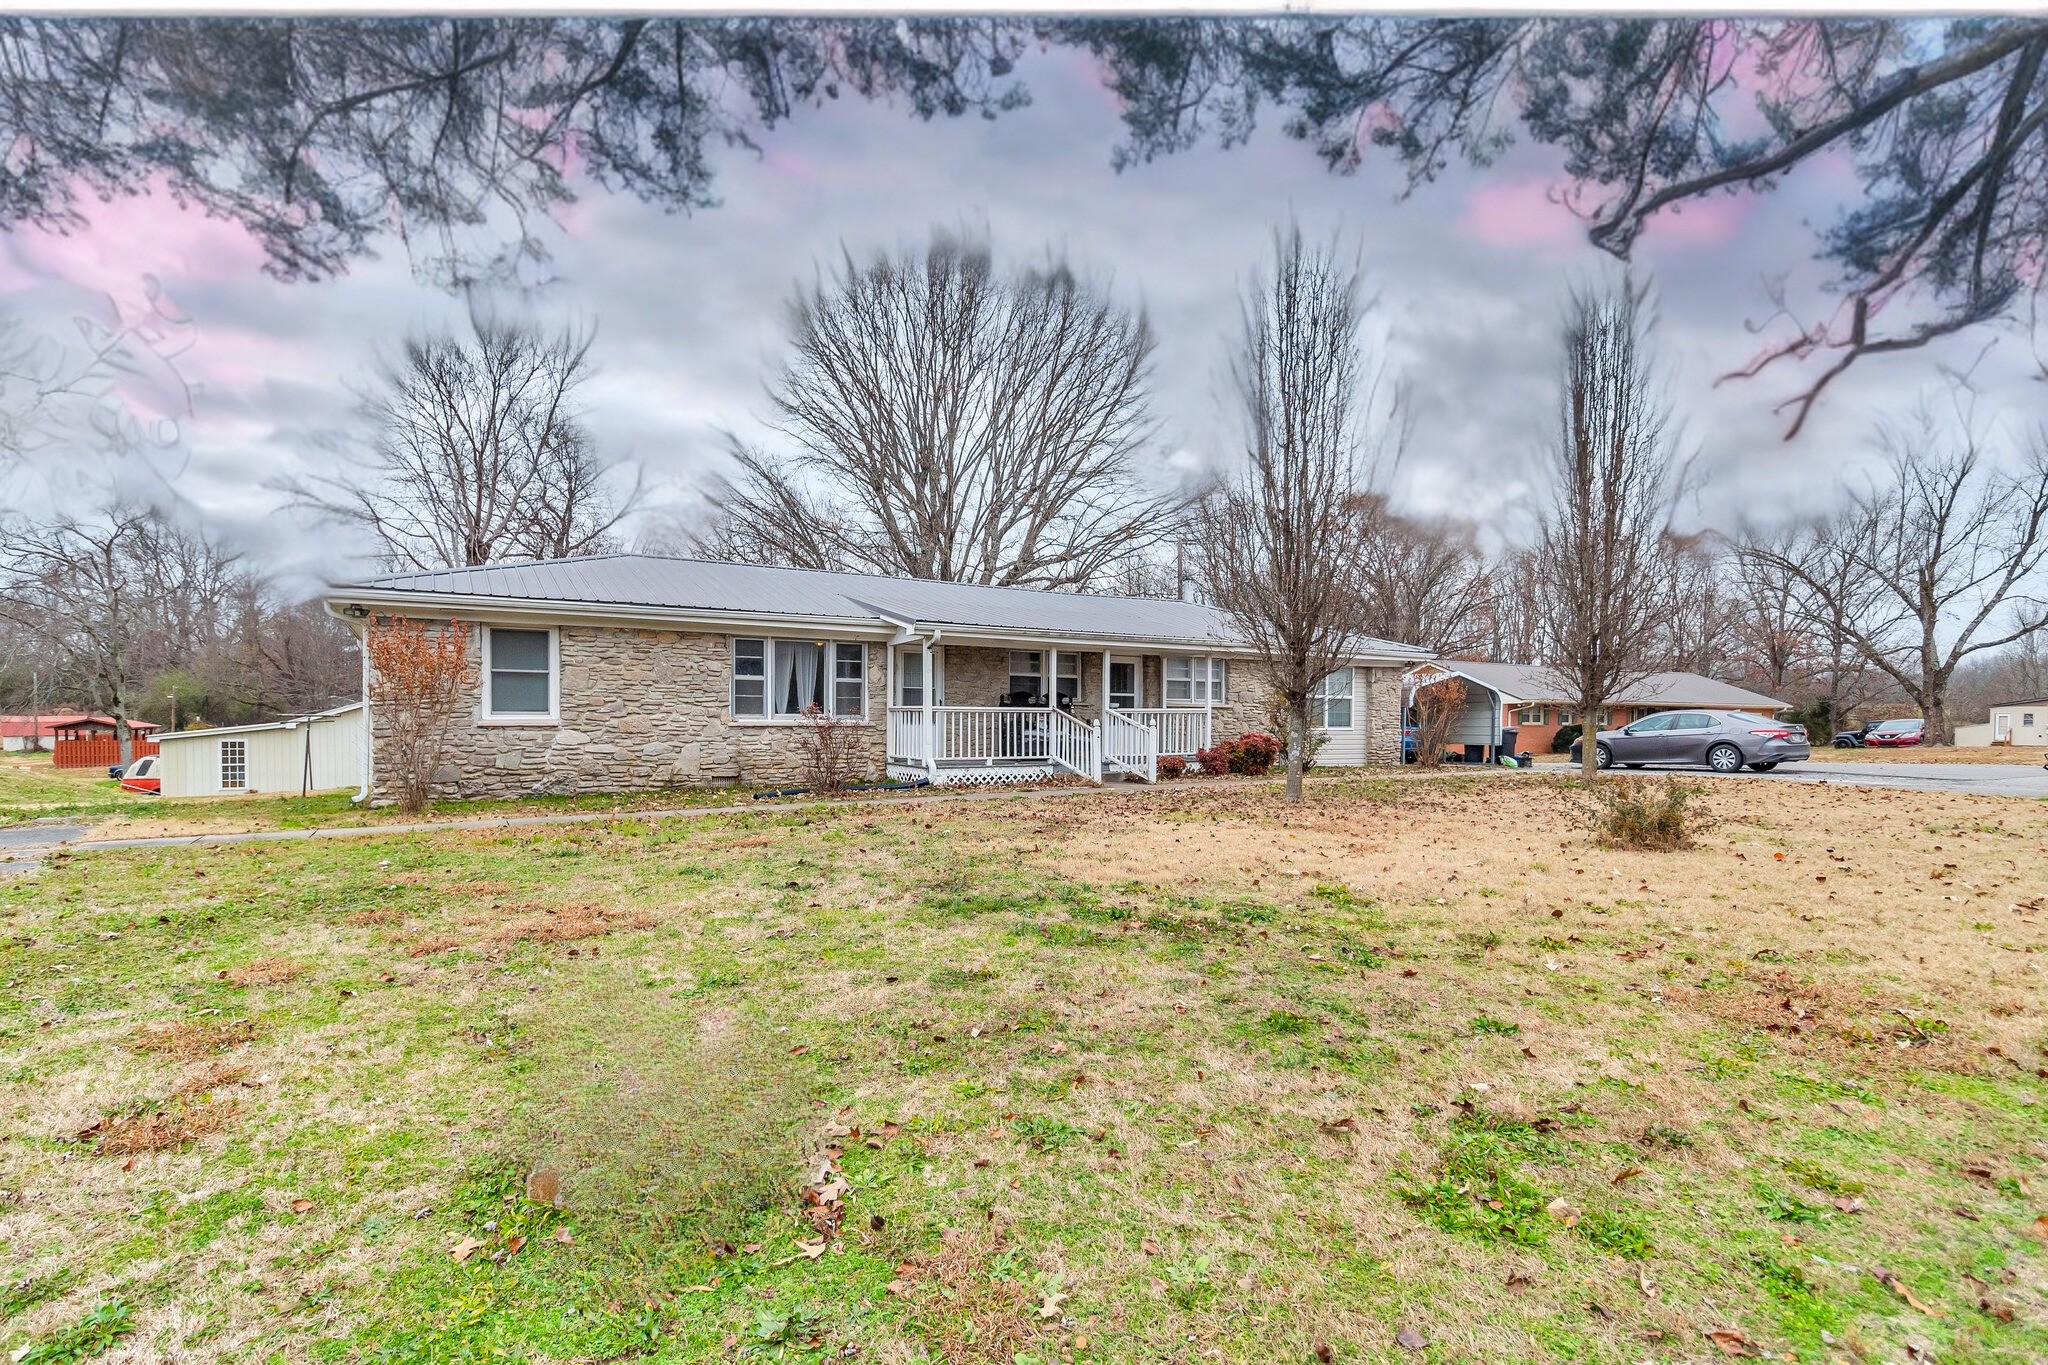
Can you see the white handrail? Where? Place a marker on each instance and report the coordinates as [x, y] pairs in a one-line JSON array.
[[1074, 745], [1130, 745], [909, 737]]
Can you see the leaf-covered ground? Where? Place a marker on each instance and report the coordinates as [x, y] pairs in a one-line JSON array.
[[1414, 1072]]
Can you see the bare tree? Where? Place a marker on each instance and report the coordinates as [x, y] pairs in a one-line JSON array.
[[1602, 556], [1699, 607], [1280, 543], [1805, 597], [88, 591], [946, 420], [1514, 628], [1425, 581], [480, 453], [1914, 569]]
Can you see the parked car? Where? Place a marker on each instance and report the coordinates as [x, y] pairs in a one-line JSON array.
[[1853, 739], [1726, 741], [141, 776], [1895, 734]]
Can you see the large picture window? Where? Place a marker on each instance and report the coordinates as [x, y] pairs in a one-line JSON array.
[[519, 674], [1186, 680], [1330, 704], [773, 678]]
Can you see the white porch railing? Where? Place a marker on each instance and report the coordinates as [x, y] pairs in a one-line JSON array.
[[958, 737], [1075, 745], [1182, 730], [1130, 746]]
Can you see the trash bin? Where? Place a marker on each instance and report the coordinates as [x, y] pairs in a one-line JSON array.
[[1506, 748]]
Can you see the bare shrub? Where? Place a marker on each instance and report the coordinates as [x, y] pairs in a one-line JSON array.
[[832, 751], [1437, 709], [416, 676], [1647, 815]]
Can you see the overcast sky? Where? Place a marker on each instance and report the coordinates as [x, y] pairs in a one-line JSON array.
[[1471, 272]]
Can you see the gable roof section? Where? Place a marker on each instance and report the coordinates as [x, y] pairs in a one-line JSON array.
[[707, 588], [1536, 683]]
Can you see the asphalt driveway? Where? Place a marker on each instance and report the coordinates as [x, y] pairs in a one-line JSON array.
[[1980, 779]]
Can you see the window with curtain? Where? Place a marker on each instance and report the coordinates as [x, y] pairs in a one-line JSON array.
[[522, 674], [791, 677], [1330, 704]]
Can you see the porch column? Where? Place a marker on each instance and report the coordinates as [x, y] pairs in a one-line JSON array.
[[931, 720], [1052, 677], [1102, 708], [1208, 700]]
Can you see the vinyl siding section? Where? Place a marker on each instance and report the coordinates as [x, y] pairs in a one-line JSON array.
[[189, 763]]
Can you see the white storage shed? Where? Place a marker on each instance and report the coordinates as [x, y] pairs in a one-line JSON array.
[[313, 753]]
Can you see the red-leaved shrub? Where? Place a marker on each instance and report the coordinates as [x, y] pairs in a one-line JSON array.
[[1172, 765], [1249, 755]]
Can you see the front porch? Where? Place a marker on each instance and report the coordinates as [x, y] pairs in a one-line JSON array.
[[1055, 712], [994, 744]]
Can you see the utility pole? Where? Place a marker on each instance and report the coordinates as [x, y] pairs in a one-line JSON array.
[[174, 709]]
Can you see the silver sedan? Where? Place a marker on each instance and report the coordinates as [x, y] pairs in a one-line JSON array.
[[1726, 741]]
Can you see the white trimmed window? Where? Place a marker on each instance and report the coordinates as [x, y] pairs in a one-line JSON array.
[[1027, 673], [1185, 682], [234, 765], [1330, 703], [520, 667], [783, 678], [910, 677], [1528, 715]]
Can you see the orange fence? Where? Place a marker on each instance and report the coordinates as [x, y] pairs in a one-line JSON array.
[[94, 753]]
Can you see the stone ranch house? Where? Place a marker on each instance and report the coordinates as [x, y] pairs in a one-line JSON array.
[[636, 672]]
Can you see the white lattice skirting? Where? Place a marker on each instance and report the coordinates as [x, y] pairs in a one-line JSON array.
[[1002, 775]]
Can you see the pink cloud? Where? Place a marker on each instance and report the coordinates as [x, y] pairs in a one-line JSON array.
[[1524, 212]]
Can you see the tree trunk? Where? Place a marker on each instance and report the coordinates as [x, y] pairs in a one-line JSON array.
[[124, 735], [1589, 742], [1297, 742], [1936, 713]]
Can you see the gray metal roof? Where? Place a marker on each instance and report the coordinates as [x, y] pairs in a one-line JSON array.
[[684, 585], [1534, 682]]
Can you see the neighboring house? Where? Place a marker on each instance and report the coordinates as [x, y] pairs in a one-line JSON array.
[[633, 672], [2018, 722], [319, 752], [74, 741], [1528, 699]]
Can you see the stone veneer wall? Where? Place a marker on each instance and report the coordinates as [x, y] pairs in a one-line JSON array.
[[640, 710]]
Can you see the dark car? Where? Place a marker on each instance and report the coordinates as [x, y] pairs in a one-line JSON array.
[[1853, 739], [1895, 734], [1726, 741]]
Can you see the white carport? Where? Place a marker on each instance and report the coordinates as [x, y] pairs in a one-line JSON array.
[[1476, 733], [319, 752]]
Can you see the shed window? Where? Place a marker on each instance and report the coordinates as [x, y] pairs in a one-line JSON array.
[[2027, 718], [1330, 704], [792, 677], [234, 765], [520, 674]]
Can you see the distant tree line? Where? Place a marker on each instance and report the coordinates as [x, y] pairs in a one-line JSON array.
[[128, 611]]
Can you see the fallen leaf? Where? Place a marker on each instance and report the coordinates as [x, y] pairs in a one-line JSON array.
[[2041, 1226], [800, 1050], [1733, 1343], [1347, 1124], [1849, 1203], [1408, 1339], [1324, 1353], [1645, 1283], [1626, 1174], [565, 1237], [1519, 1281], [1997, 1309], [1899, 1287], [1561, 1209], [544, 1186], [466, 1248], [711, 1288], [1149, 1247], [302, 1205], [811, 1251], [513, 1243], [1051, 1307]]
